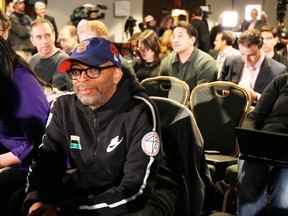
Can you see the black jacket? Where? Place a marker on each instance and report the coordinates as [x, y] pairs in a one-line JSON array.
[[114, 150], [269, 69]]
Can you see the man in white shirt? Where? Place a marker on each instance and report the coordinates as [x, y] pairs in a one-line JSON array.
[[252, 70], [223, 45], [254, 23]]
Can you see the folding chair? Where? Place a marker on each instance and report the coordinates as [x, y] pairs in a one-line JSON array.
[[167, 86], [218, 108]]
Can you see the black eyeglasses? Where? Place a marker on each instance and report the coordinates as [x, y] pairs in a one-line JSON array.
[[92, 72]]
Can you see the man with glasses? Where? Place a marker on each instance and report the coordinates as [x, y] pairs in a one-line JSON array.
[[96, 28], [107, 132], [5, 25], [270, 40]]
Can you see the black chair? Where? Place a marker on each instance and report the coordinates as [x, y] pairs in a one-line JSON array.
[[167, 86], [183, 146], [218, 108]]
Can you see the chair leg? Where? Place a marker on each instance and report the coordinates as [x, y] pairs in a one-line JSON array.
[[228, 199]]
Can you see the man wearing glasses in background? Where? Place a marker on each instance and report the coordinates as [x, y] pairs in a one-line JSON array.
[[108, 131], [270, 40]]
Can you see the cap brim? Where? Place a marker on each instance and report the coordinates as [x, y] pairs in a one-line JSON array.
[[66, 63]]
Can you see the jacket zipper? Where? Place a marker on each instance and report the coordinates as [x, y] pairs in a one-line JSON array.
[[96, 133]]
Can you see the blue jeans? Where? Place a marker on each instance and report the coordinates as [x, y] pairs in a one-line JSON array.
[[255, 182]]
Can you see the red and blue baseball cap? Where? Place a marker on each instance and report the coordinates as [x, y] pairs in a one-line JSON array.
[[93, 51]]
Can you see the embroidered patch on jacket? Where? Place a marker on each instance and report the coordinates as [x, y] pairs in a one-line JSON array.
[[151, 144], [114, 143], [75, 142]]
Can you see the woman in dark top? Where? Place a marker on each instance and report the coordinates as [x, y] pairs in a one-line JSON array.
[[23, 113], [147, 65]]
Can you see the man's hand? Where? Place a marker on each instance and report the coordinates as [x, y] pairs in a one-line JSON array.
[[40, 209], [253, 94]]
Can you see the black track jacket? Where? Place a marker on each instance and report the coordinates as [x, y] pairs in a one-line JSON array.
[[115, 149]]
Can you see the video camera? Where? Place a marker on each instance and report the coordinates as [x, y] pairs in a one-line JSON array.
[[129, 25], [281, 10], [206, 11], [88, 12]]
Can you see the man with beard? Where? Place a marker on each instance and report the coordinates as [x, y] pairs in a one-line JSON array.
[[107, 130]]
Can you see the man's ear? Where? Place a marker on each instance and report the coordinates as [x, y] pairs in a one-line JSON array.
[[32, 41], [117, 75]]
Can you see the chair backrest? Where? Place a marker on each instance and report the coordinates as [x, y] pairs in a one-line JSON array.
[[167, 86], [183, 146], [218, 108]]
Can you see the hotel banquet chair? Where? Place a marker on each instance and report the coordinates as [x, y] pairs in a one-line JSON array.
[[218, 108], [183, 146], [167, 86]]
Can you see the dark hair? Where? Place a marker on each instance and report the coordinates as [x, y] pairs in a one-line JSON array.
[[267, 28], [150, 40], [191, 30], [198, 12], [182, 17], [251, 37], [226, 36]]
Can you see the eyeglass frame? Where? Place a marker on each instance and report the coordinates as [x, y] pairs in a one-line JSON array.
[[81, 70]]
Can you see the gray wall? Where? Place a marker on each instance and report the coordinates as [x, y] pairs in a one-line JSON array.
[[62, 9]]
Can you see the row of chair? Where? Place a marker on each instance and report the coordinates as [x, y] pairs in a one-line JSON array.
[[218, 107]]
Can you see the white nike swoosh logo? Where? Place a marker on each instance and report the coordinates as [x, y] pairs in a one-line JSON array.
[[113, 144]]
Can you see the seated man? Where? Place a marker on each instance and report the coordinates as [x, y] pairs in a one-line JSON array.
[[270, 40], [256, 181], [68, 38], [46, 60], [252, 70], [187, 62], [96, 28], [224, 46], [108, 131]]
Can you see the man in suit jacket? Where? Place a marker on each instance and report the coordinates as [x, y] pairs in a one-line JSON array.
[[252, 70], [254, 23], [40, 10]]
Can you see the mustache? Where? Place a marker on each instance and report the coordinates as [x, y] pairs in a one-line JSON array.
[[84, 86]]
